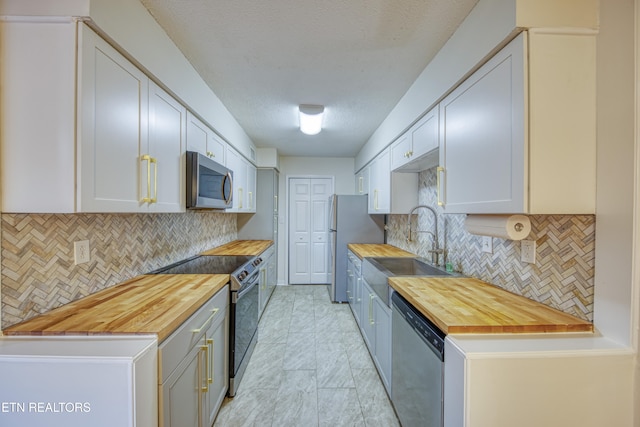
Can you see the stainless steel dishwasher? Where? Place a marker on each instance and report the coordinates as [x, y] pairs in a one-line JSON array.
[[417, 366]]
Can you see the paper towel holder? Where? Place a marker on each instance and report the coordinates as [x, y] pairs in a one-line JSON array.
[[509, 227]]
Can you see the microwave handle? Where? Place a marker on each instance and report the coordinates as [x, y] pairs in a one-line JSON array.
[[228, 176]]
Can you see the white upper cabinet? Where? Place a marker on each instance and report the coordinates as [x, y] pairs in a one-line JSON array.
[[417, 149], [252, 175], [202, 139], [244, 182], [362, 181], [518, 136], [131, 134], [38, 116], [390, 192], [98, 136], [167, 135], [113, 123]]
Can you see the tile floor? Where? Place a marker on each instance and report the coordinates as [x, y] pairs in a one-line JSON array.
[[309, 368]]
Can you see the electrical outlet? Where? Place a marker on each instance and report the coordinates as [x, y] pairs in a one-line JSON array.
[[81, 253], [528, 251], [487, 244]]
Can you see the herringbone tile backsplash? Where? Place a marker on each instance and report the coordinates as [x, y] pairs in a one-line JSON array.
[[562, 276], [38, 270]]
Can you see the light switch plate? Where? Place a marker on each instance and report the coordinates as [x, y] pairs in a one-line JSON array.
[[528, 251], [487, 244]]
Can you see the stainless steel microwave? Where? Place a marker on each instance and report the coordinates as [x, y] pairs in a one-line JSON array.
[[209, 184]]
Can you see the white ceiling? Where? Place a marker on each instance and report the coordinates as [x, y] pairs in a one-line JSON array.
[[264, 58]]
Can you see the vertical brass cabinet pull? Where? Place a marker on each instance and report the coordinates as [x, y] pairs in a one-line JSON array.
[[360, 185], [250, 200], [154, 199], [439, 183], [240, 193], [147, 158], [205, 348], [375, 199], [199, 388], [211, 364]]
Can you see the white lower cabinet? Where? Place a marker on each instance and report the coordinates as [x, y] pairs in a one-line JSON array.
[[267, 278], [217, 338], [375, 325], [77, 381], [193, 372], [382, 358], [354, 285], [555, 380]]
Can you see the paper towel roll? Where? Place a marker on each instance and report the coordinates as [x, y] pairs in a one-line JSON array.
[[512, 227]]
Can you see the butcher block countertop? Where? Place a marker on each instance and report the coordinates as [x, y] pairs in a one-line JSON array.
[[241, 247], [362, 250], [466, 305], [149, 304]]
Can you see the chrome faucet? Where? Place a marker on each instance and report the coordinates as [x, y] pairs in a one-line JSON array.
[[435, 249]]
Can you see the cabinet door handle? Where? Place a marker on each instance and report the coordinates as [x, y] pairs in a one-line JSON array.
[[375, 199], [199, 388], [371, 296], [213, 313], [147, 158], [210, 154], [250, 199], [240, 192], [439, 183], [360, 186], [211, 363], [206, 367], [154, 199]]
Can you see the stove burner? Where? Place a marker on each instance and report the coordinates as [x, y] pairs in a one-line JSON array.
[[238, 266]]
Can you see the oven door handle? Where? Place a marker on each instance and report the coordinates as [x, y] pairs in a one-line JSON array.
[[251, 283]]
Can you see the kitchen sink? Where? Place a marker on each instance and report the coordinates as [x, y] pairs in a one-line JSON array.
[[376, 271], [407, 267]]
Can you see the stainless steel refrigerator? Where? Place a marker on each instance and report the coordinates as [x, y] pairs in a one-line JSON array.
[[349, 222]]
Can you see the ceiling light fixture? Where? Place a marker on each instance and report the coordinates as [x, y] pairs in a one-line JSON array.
[[311, 118]]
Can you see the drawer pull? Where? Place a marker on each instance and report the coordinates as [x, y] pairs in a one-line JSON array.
[[213, 313]]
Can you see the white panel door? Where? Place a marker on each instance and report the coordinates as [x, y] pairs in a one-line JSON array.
[[320, 192], [308, 230], [299, 231]]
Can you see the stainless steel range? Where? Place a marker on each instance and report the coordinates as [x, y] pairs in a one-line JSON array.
[[244, 308]]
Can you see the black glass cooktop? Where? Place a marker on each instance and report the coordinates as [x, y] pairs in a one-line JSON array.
[[205, 264]]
